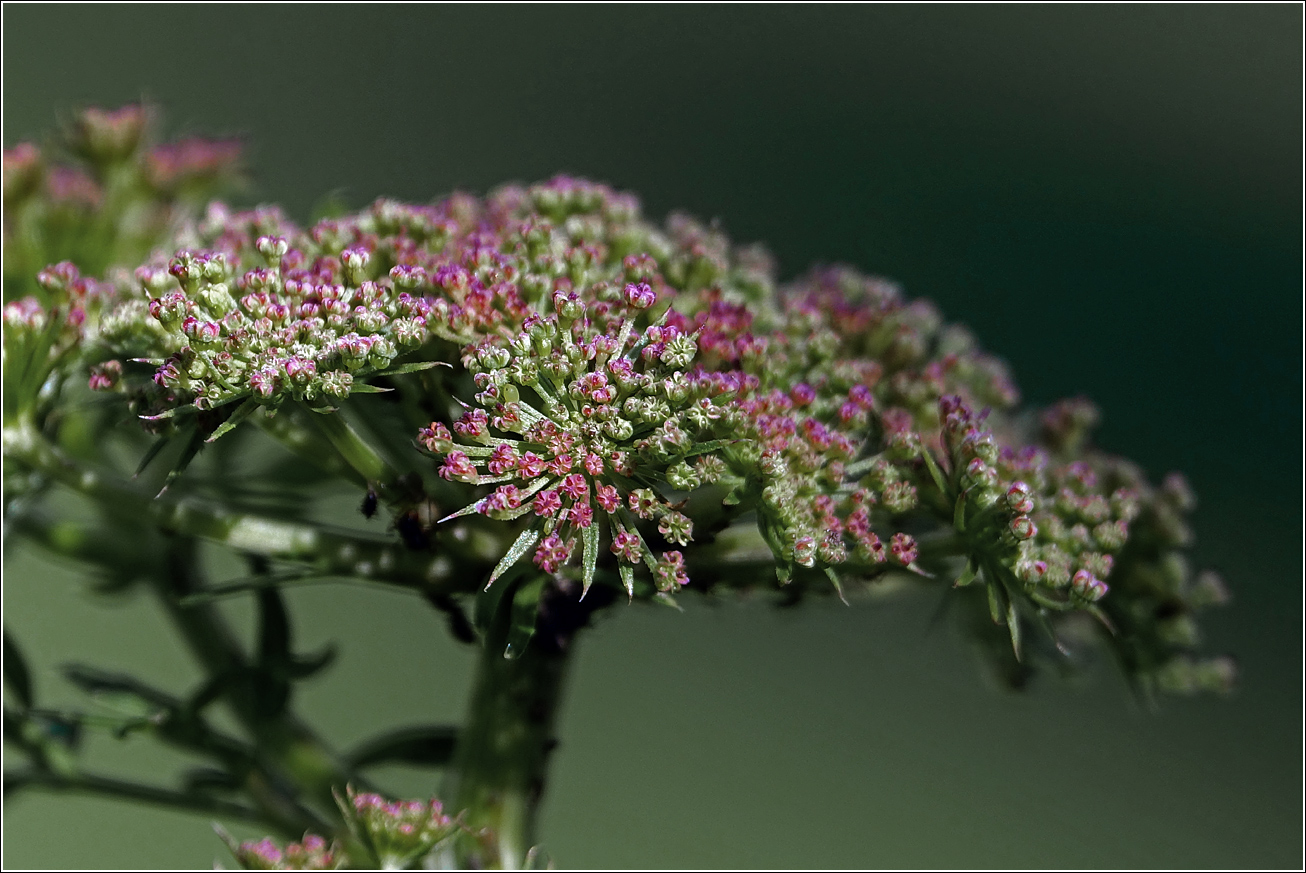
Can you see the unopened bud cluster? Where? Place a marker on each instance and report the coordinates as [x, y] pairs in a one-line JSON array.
[[103, 194], [312, 853], [398, 832], [385, 834], [299, 324], [625, 391], [1055, 527]]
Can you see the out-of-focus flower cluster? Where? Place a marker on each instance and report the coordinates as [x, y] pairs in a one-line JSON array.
[[383, 834], [103, 193], [616, 396], [311, 853]]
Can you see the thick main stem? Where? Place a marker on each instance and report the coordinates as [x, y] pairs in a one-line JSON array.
[[499, 767]]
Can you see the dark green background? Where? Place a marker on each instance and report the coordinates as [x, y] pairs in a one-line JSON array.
[[1109, 196]]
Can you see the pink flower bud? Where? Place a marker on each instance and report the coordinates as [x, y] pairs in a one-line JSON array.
[[435, 437], [405, 276], [547, 503], [552, 552], [805, 550], [530, 465], [460, 467], [1020, 498], [626, 545], [1087, 588], [473, 424], [581, 515], [104, 377], [1023, 527], [640, 295], [272, 248], [502, 460], [299, 369], [903, 548], [502, 499], [669, 572], [608, 498], [263, 382], [575, 486]]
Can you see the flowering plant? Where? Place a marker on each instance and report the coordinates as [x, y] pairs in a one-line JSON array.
[[561, 408]]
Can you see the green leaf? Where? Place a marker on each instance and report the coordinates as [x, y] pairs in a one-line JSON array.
[[996, 608], [857, 468], [17, 678], [415, 367], [712, 446], [1097, 613], [662, 598], [421, 746], [364, 388], [1043, 600], [1045, 621], [523, 544], [167, 413], [834, 578], [194, 442], [232, 844], [151, 453], [627, 572], [967, 575], [1013, 625], [538, 859], [959, 513], [999, 576], [244, 411], [589, 556], [487, 607], [466, 510], [935, 473], [525, 610]]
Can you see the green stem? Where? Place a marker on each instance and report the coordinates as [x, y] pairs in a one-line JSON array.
[[327, 550], [103, 786], [356, 451], [498, 773], [293, 751], [306, 442], [288, 746]]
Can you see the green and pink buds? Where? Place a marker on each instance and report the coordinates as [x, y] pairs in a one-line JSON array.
[[312, 853], [637, 405]]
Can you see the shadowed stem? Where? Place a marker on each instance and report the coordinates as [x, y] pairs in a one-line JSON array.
[[295, 757], [325, 549], [291, 746], [499, 769], [103, 786]]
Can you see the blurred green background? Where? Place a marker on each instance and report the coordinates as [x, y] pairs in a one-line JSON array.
[[1111, 198]]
